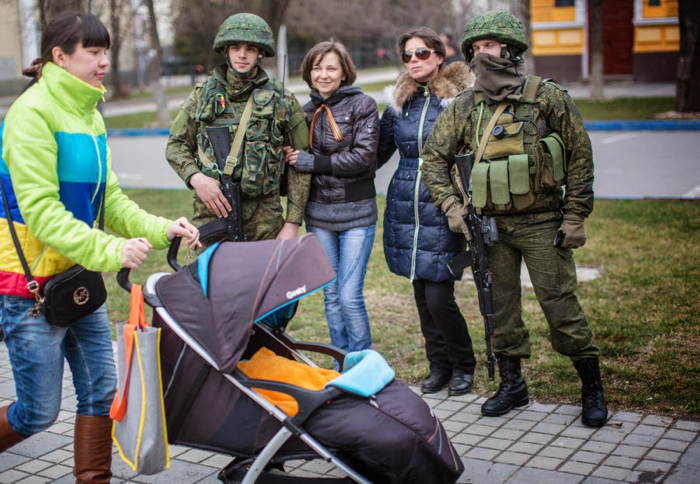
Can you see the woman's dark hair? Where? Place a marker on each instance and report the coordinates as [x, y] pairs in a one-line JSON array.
[[68, 29], [427, 35], [321, 49]]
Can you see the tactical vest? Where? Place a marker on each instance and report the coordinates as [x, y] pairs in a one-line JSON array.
[[262, 158], [523, 158]]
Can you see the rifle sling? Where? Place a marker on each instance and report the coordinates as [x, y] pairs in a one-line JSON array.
[[489, 127], [232, 159]]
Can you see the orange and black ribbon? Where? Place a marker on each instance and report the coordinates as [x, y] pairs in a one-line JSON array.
[[331, 120]]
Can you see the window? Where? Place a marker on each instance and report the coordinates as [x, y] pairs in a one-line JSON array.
[[654, 3], [565, 3]]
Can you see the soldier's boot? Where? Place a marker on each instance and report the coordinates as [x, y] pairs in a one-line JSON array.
[[512, 391], [92, 442], [594, 410], [8, 437]]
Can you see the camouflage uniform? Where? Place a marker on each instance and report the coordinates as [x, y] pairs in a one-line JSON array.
[[276, 120], [537, 147], [527, 223]]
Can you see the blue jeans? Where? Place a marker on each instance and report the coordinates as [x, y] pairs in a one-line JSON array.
[[348, 252], [37, 351]]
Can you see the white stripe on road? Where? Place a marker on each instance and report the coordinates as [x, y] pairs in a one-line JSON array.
[[619, 137]]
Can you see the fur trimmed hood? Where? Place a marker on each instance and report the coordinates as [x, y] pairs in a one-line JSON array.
[[450, 81]]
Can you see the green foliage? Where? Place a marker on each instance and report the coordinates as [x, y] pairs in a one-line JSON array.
[[624, 108], [643, 309]]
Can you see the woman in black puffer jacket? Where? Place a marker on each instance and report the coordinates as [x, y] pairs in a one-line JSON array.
[[418, 243], [341, 211]]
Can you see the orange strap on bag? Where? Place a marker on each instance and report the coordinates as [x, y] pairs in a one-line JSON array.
[[137, 321]]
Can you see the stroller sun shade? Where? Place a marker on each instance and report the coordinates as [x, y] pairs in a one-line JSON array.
[[245, 282]]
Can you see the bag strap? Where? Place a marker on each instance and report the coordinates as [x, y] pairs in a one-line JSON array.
[[136, 322], [232, 159], [32, 285], [487, 131]]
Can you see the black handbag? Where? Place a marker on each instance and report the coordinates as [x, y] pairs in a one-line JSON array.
[[68, 296]]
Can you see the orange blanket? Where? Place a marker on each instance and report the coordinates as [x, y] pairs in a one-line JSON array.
[[266, 365]]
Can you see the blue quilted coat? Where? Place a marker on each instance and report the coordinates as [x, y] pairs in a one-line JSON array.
[[418, 243]]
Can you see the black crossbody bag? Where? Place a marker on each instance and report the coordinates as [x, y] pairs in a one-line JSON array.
[[68, 296]]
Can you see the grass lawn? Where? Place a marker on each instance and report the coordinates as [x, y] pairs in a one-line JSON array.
[[609, 109], [643, 309]]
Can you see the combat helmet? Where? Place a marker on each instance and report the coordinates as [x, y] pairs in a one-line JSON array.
[[498, 25], [248, 28]]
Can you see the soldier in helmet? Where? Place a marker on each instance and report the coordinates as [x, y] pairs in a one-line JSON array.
[[533, 172], [276, 120]]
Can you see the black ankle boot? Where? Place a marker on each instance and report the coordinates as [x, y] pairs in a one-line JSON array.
[[594, 411], [436, 381], [460, 383], [512, 391]]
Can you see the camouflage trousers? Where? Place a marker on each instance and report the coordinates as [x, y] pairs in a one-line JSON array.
[[262, 217], [553, 274]]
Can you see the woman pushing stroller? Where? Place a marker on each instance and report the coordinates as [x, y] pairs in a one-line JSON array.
[[56, 177]]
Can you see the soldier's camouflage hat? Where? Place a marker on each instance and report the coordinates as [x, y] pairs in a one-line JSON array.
[[498, 25], [248, 28]]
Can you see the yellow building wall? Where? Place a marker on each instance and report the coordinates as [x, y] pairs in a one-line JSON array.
[[667, 8], [544, 11], [557, 41]]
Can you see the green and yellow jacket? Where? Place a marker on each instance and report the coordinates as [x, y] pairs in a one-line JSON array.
[[55, 168]]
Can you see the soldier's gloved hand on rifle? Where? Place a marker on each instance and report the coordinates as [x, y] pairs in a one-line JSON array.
[[208, 190], [571, 233], [455, 213]]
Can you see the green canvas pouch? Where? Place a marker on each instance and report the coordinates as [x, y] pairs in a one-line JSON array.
[[480, 173], [555, 147], [519, 174], [498, 182]]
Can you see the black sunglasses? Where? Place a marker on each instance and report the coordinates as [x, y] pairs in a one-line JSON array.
[[421, 53]]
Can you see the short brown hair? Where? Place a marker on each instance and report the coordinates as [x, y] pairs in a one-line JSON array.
[[427, 35], [319, 50]]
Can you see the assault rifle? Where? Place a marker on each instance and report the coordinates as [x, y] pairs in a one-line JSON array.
[[482, 233], [231, 226]]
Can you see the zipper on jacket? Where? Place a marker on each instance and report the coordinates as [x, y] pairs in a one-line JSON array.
[[99, 170], [416, 188]]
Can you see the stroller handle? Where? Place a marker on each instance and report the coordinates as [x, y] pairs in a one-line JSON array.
[[172, 253], [123, 274], [123, 278]]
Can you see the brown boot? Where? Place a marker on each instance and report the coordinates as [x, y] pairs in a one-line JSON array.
[[92, 445], [8, 437]]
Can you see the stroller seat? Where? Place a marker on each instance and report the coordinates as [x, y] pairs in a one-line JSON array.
[[238, 298]]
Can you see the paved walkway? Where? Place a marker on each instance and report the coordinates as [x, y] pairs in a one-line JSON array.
[[536, 444]]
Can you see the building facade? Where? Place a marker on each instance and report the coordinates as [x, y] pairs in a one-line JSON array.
[[640, 39]]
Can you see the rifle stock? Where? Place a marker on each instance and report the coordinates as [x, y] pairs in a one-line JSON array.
[[482, 233]]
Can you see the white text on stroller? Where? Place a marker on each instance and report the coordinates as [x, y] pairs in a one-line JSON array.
[[296, 292]]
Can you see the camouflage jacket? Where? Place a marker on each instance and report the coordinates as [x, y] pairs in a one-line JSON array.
[[276, 120], [456, 131]]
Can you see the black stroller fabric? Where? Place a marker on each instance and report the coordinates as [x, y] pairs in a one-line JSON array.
[[392, 437]]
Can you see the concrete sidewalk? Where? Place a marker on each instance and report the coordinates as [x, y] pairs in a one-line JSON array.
[[540, 443]]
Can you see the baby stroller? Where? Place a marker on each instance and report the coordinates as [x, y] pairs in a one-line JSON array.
[[237, 298]]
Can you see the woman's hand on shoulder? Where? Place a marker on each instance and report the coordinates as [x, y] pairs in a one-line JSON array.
[[183, 228], [290, 155]]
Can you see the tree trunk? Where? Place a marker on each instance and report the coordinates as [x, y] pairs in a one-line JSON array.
[[595, 46], [688, 77], [115, 11], [156, 67], [521, 9]]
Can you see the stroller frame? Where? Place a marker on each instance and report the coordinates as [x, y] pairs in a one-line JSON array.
[[307, 400]]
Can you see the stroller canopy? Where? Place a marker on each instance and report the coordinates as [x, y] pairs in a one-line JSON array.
[[218, 298]]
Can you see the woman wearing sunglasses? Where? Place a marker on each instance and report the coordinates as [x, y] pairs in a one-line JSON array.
[[418, 243], [341, 211]]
